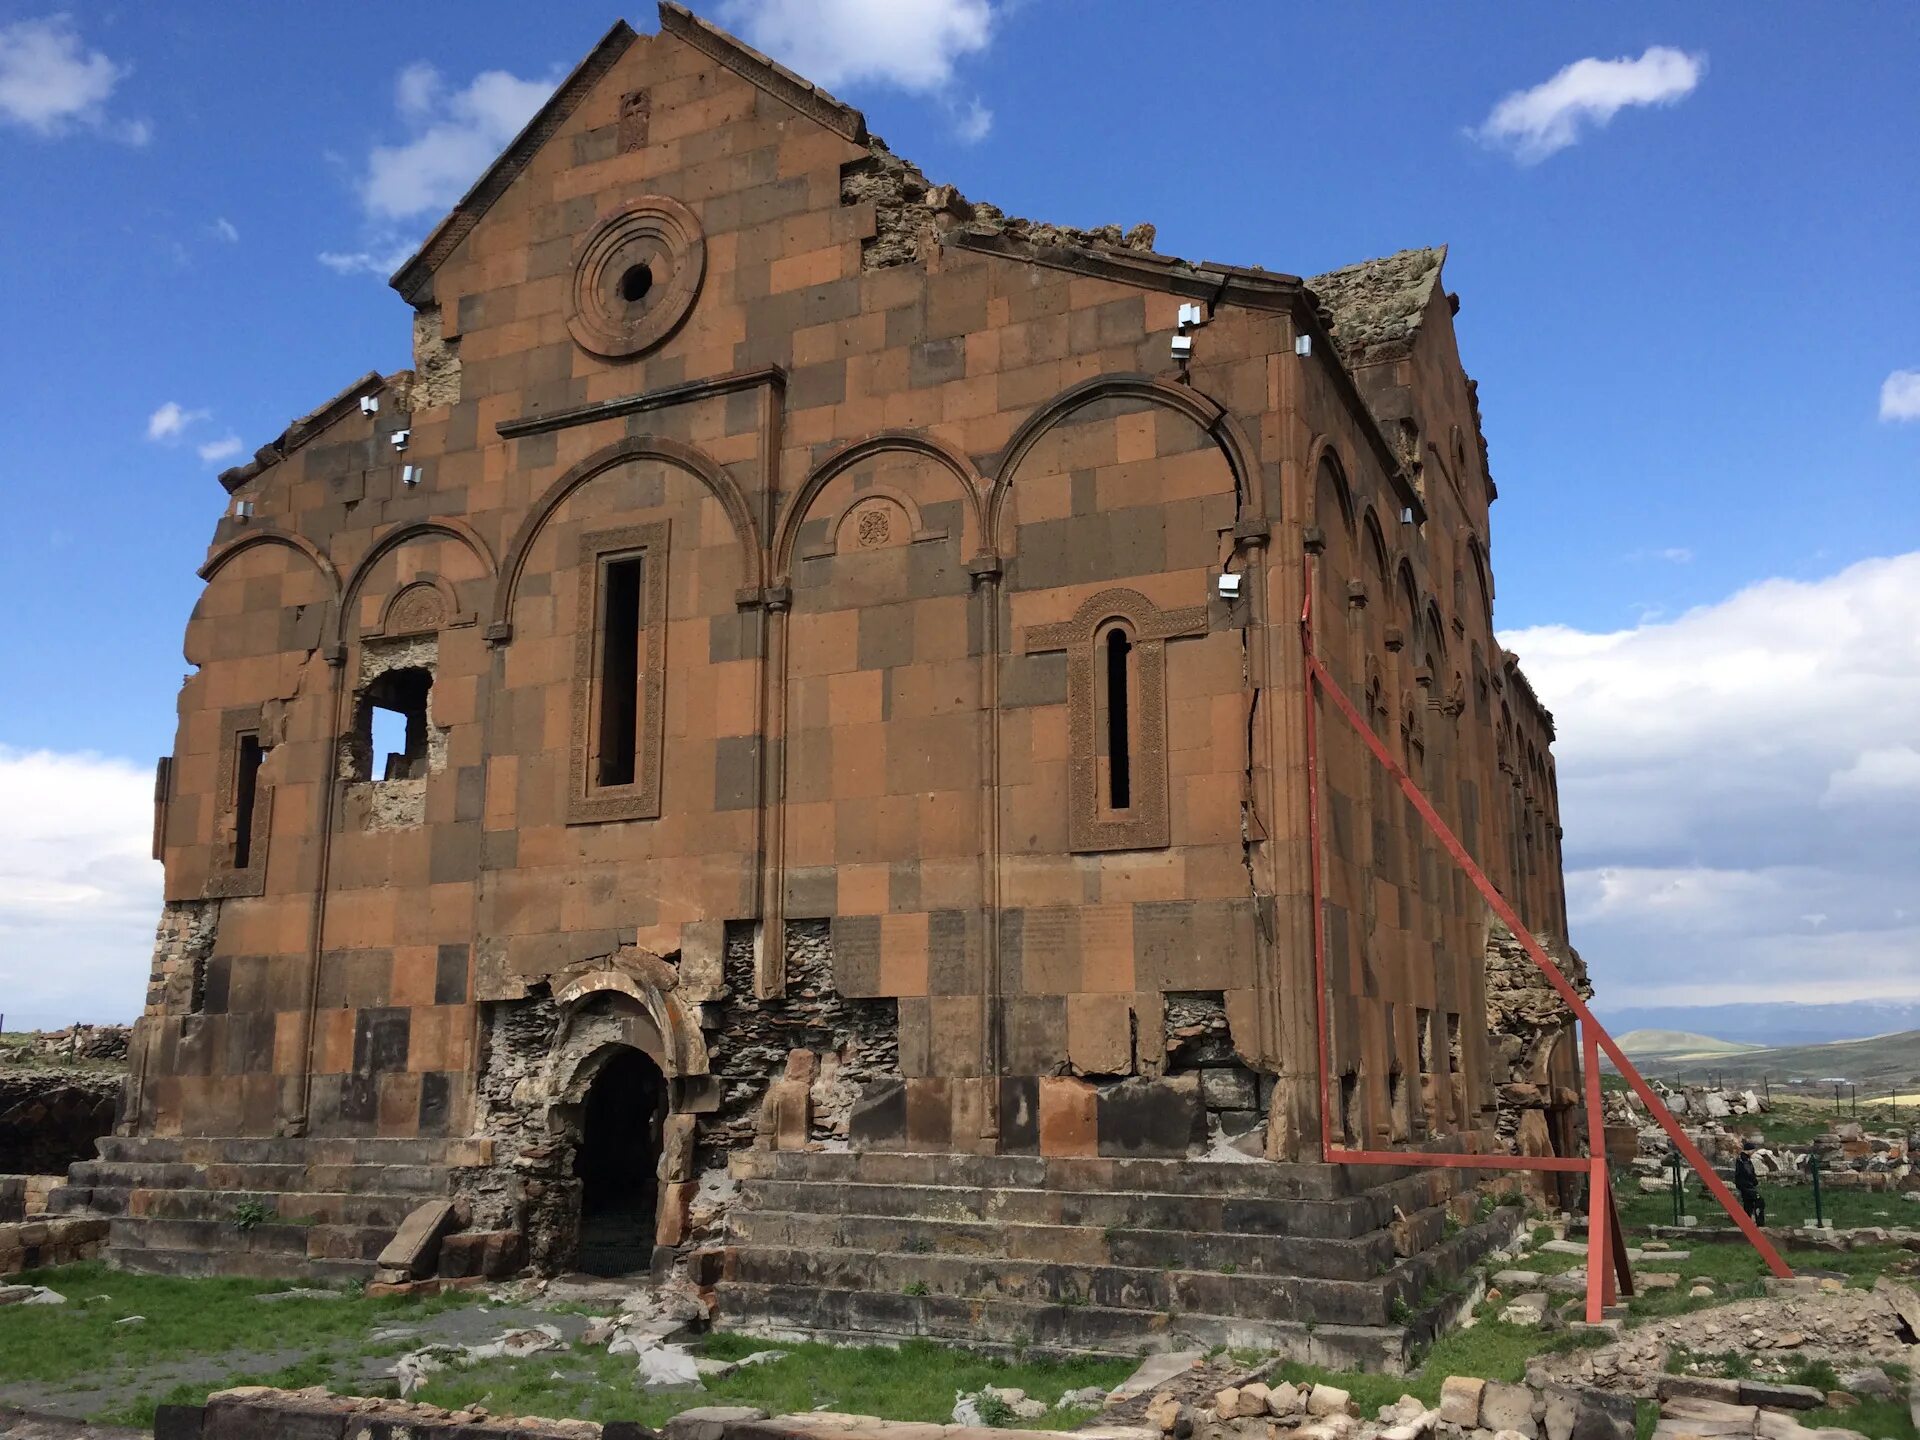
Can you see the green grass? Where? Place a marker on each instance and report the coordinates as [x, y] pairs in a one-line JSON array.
[[915, 1382], [1883, 1419], [78, 1343], [1491, 1349], [52, 1344], [1787, 1205]]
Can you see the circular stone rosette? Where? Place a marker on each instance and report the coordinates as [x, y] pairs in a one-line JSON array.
[[636, 278]]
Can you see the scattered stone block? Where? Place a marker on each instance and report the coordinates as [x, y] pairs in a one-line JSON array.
[[1254, 1398], [1327, 1400], [1285, 1399], [709, 1422], [1780, 1397], [1460, 1397], [1154, 1372], [415, 1247], [1531, 1311], [1699, 1387], [1168, 1415], [1869, 1381], [1508, 1407]]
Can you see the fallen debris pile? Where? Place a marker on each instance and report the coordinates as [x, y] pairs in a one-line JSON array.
[[1802, 1320]]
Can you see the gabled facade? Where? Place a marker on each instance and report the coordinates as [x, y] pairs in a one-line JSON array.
[[797, 662]]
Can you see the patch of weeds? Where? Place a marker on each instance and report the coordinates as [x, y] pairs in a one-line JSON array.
[[1646, 1419], [249, 1215], [914, 1287], [1820, 1374], [916, 1245], [1541, 1235], [994, 1411], [1228, 1267]]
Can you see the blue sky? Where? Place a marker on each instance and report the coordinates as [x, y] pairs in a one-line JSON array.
[[1682, 320]]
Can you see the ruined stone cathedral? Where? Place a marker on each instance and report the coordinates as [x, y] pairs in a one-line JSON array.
[[776, 748]]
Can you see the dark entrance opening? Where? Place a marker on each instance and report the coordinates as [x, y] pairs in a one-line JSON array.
[[618, 1164]]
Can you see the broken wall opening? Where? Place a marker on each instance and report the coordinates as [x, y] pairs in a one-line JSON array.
[[392, 745], [537, 1184], [617, 1162], [1200, 1041]]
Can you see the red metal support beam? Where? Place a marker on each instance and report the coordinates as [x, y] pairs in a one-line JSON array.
[[1319, 681], [1599, 1203]]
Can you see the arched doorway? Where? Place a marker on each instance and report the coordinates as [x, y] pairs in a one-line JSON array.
[[617, 1163]]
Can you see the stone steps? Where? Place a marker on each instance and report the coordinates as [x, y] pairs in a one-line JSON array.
[[258, 1176], [1019, 1252], [328, 1205], [293, 1207], [1247, 1252], [1115, 1287], [1073, 1173], [1343, 1219]]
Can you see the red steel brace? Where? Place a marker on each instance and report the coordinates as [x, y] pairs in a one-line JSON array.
[[1602, 1224]]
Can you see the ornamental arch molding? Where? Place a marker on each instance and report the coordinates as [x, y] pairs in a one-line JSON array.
[[1205, 412], [944, 456], [448, 527], [268, 536], [693, 461]]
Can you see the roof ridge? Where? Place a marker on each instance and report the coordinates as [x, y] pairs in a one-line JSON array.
[[304, 428], [764, 71], [413, 278]]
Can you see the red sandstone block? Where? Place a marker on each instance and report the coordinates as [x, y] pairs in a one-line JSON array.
[[1067, 1117]]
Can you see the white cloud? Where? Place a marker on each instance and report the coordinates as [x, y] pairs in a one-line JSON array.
[[452, 137], [1900, 396], [1533, 124], [1733, 771], [912, 45], [456, 135], [78, 894], [382, 262], [974, 123], [171, 420], [224, 448], [223, 229], [51, 84]]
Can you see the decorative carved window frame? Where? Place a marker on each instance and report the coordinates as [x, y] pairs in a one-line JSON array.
[[224, 881], [589, 802], [1092, 826]]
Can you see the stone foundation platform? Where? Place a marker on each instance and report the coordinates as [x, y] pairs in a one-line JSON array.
[[1330, 1265], [319, 1208]]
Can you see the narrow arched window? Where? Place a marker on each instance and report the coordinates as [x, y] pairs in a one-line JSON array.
[[1119, 658]]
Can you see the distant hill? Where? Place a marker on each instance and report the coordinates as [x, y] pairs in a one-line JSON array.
[[1678, 1044], [1883, 1063], [1769, 1023]]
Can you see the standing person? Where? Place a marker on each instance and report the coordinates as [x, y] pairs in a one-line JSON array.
[[1747, 1181]]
